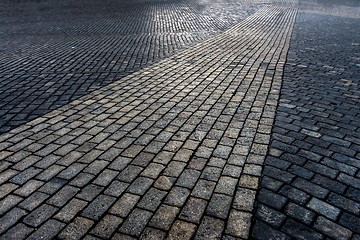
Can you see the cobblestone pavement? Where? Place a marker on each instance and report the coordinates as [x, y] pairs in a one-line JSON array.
[[311, 183], [174, 146], [57, 51], [165, 151]]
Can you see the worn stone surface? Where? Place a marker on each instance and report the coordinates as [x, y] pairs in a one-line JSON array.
[[312, 163], [179, 120]]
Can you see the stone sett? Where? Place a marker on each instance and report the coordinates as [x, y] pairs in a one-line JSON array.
[[152, 142]]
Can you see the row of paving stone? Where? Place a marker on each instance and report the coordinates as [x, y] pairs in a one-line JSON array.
[[310, 187], [174, 150]]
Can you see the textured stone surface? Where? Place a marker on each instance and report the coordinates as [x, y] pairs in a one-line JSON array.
[[312, 162], [110, 131]]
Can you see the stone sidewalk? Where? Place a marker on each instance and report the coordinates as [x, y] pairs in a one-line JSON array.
[[176, 150]]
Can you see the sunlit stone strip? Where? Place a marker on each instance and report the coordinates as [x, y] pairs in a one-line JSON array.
[[174, 150]]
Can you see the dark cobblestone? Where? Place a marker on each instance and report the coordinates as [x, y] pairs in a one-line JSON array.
[[270, 216], [219, 206], [98, 207], [314, 131], [76, 229], [10, 218], [33, 201], [107, 226], [300, 231], [272, 199], [124, 205], [164, 217], [9, 202], [48, 230], [152, 199], [136, 222], [20, 231], [294, 194], [263, 231], [62, 196], [40, 215], [344, 203], [300, 213], [350, 221], [153, 234], [89, 192], [310, 188], [193, 210], [177, 196], [182, 230], [332, 229]]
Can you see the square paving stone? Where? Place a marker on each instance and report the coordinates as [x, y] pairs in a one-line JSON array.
[[211, 173], [136, 222], [152, 199], [153, 170], [210, 228], [219, 206], [140, 185], [177, 196], [33, 201], [226, 185], [244, 199], [248, 181], [164, 217], [129, 173], [188, 178], [182, 230], [239, 224], [193, 210], [107, 226]]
